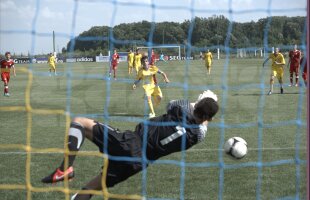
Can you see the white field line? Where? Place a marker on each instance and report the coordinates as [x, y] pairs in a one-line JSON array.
[[191, 150]]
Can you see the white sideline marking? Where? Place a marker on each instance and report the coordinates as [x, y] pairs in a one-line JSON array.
[[191, 150]]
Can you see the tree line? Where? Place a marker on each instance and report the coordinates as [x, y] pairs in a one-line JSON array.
[[198, 33]]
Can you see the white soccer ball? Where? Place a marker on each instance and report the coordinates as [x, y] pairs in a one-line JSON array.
[[236, 147]]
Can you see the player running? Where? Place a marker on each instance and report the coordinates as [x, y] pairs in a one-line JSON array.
[[294, 63], [51, 60], [146, 74], [153, 58], [172, 136], [114, 63], [278, 63], [208, 60], [130, 58], [137, 60], [6, 66]]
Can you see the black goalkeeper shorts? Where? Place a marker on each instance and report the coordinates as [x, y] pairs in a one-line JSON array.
[[123, 149]]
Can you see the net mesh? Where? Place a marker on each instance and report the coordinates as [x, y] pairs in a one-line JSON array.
[[223, 126]]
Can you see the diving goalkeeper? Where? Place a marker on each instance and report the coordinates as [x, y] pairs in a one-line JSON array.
[[182, 120]]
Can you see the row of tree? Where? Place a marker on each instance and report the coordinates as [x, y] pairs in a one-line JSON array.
[[198, 33]]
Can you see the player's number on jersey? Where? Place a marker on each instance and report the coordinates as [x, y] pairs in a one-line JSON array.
[[180, 131]]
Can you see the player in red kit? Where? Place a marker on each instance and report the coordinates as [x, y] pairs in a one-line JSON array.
[[6, 66], [294, 62], [303, 64], [153, 58], [114, 63]]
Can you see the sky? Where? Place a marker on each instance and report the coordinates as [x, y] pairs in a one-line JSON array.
[[26, 26]]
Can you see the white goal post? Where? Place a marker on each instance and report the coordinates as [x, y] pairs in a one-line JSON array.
[[163, 47]]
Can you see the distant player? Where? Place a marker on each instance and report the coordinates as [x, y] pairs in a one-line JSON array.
[[294, 63], [162, 57], [137, 60], [51, 60], [208, 60], [153, 58], [146, 74], [184, 125], [130, 58], [278, 63], [6, 66], [114, 63], [303, 64]]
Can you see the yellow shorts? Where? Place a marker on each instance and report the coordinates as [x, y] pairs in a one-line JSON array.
[[137, 67], [152, 90], [53, 67], [130, 65], [277, 72], [208, 64]]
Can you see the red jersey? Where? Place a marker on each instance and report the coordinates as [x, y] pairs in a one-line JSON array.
[[115, 58], [295, 58], [6, 65], [153, 57]]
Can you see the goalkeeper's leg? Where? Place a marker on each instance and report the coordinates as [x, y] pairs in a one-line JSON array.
[[79, 129]]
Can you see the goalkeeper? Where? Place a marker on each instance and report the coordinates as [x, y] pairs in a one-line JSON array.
[[182, 120]]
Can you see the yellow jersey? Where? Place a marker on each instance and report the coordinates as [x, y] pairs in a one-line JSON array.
[[279, 58], [147, 76], [51, 60], [130, 58], [137, 60], [208, 57]]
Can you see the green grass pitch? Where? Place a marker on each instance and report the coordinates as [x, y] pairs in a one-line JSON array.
[[244, 105]]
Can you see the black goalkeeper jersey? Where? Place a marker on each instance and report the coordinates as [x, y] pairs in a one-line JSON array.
[[164, 134], [160, 136]]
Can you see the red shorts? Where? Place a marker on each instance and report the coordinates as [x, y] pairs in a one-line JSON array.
[[5, 77], [114, 66], [294, 68]]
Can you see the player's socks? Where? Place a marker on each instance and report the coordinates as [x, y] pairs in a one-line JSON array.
[[297, 78], [75, 141], [291, 79], [6, 89], [149, 101]]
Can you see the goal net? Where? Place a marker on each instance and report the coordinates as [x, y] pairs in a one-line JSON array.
[[35, 119]]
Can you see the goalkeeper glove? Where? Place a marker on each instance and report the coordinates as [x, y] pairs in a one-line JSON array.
[[207, 94]]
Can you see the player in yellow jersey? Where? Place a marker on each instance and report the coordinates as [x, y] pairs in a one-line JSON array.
[[278, 63], [208, 60], [146, 74], [137, 60], [51, 60], [130, 58]]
